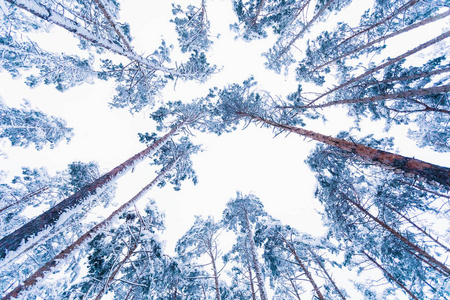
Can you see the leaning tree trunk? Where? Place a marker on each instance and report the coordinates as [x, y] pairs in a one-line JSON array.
[[317, 259], [19, 237], [393, 96], [390, 276], [304, 268], [398, 163], [85, 238], [384, 65], [130, 252], [25, 198], [383, 38], [441, 267], [254, 258], [305, 28], [73, 26]]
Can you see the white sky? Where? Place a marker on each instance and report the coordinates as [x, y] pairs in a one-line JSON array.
[[248, 161]]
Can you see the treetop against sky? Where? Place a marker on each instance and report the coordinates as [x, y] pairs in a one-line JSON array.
[[291, 149]]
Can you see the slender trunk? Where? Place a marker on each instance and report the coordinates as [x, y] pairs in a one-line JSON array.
[[116, 270], [305, 28], [255, 263], [304, 268], [397, 163], [19, 237], [85, 238], [397, 12], [443, 268], [116, 28], [73, 26], [386, 64], [258, 11], [216, 278], [390, 276], [418, 228], [383, 38], [252, 288], [393, 96], [295, 289], [317, 259], [25, 198], [403, 78]]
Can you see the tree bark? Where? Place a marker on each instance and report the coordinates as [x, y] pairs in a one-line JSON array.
[[304, 268], [305, 28], [254, 257], [390, 276], [317, 259], [397, 12], [383, 38], [418, 228], [116, 28], [398, 163], [25, 198], [70, 25], [19, 237], [384, 65], [116, 270], [442, 268], [393, 96], [216, 278], [85, 238]]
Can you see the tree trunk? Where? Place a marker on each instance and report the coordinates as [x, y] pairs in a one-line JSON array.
[[398, 163], [393, 96], [305, 28], [85, 238], [250, 275], [317, 259], [216, 278], [255, 262], [258, 11], [49, 218], [116, 28], [384, 65], [390, 276], [70, 25], [383, 38], [442, 268], [25, 198], [116, 270], [397, 12], [295, 289], [418, 228], [304, 268]]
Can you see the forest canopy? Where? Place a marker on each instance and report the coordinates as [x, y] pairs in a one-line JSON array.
[[282, 149]]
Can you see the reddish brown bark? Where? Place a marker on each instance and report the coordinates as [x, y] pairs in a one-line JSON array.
[[384, 65], [14, 240], [397, 163], [88, 236]]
